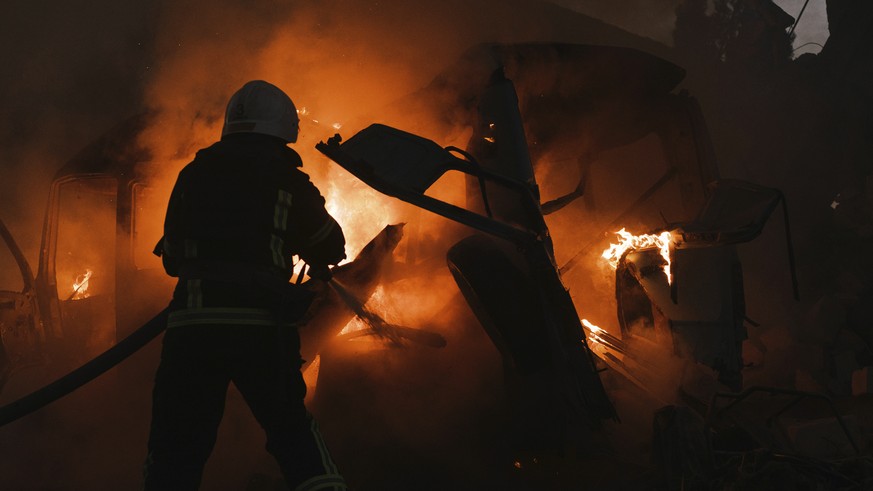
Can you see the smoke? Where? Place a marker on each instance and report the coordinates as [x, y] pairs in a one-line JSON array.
[[71, 71], [347, 63], [314, 52], [343, 62], [81, 69], [63, 84], [424, 411]]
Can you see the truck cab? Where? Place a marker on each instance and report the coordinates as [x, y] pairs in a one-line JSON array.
[[97, 279]]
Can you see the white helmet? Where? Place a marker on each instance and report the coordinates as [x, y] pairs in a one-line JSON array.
[[261, 107]]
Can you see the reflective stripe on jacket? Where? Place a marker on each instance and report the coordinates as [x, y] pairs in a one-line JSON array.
[[243, 201]]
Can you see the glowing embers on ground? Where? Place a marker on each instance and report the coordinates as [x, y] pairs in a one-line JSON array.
[[630, 242], [80, 286]]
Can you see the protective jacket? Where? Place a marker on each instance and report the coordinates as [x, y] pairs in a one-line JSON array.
[[239, 213]]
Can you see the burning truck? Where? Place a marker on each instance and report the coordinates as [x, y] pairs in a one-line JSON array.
[[537, 116], [678, 291]]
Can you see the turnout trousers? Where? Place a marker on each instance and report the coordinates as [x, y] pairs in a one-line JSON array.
[[197, 364]]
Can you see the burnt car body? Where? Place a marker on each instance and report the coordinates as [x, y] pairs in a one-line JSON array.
[[95, 282], [509, 273], [701, 314]]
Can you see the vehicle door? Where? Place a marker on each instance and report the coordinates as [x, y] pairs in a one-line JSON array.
[[21, 328]]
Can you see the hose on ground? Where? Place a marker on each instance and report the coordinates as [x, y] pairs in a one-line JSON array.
[[85, 373]]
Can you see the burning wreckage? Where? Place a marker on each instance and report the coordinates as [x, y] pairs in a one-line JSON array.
[[678, 289]]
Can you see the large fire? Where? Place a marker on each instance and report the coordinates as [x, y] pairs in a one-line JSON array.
[[613, 254], [629, 241]]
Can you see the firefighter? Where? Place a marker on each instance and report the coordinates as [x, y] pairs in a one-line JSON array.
[[238, 214]]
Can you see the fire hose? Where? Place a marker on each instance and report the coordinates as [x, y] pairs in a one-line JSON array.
[[85, 373], [150, 330]]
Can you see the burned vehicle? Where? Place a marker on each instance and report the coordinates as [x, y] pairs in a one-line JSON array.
[[95, 279], [694, 298], [678, 290], [632, 153], [623, 107], [509, 272]]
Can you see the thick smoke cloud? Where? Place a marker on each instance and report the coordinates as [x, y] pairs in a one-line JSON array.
[[343, 62], [80, 70], [73, 71], [70, 71]]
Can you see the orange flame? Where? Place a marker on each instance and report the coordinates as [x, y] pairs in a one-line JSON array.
[[629, 241], [593, 331], [80, 285]]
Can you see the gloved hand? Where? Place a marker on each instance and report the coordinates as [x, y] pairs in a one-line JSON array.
[[320, 272]]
